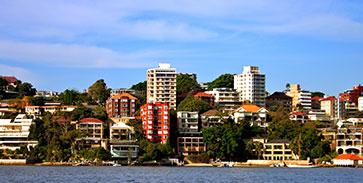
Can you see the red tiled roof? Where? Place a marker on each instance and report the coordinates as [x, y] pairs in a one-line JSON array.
[[298, 113], [121, 95], [203, 94], [212, 112], [251, 108], [331, 98], [349, 157], [10, 79], [317, 98], [90, 120]]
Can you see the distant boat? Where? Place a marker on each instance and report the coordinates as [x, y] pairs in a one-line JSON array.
[[302, 166], [117, 165]]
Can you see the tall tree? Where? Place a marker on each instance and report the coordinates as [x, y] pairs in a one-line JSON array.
[[25, 89], [185, 84], [141, 86], [98, 92], [70, 97], [193, 104], [223, 81]]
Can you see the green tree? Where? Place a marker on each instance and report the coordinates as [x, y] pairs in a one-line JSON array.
[[81, 112], [25, 89], [70, 97], [193, 104], [185, 84], [223, 81], [100, 113], [141, 86], [98, 92], [37, 101]]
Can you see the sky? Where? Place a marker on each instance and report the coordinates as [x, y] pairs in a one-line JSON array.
[[58, 45]]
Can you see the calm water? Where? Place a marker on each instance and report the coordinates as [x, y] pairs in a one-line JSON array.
[[184, 174]]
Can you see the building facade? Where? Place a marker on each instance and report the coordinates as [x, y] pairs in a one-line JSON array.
[[188, 122], [278, 99], [206, 97], [156, 121], [122, 143], [121, 105], [92, 131], [36, 111], [252, 113], [301, 99], [360, 103], [161, 85], [226, 98], [349, 140], [251, 86], [329, 105], [14, 133]]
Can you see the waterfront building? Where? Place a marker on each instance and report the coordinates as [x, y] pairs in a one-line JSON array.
[[122, 143], [226, 98], [161, 85], [348, 102], [14, 133], [121, 105], [206, 97], [188, 122], [251, 85], [252, 113], [349, 140], [92, 130], [191, 145], [277, 150], [350, 160], [156, 121], [278, 99], [37, 111]]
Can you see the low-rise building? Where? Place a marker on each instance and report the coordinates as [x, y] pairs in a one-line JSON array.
[[278, 150], [191, 145], [278, 99], [36, 111], [188, 122], [92, 131], [318, 115], [121, 105], [14, 133], [226, 98], [252, 113], [298, 116], [209, 98], [122, 143], [349, 141], [212, 118], [348, 160]]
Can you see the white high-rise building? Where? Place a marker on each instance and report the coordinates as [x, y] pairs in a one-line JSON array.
[[251, 85], [360, 103], [161, 85]]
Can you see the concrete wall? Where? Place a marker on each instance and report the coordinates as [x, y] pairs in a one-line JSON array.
[[12, 161]]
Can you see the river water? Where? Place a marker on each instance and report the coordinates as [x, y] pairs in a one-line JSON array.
[[176, 174]]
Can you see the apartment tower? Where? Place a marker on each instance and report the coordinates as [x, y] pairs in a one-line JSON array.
[[161, 85], [251, 85]]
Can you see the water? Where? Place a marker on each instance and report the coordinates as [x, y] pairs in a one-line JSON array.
[[176, 174]]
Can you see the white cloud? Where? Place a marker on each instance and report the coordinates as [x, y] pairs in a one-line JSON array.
[[21, 73], [74, 55]]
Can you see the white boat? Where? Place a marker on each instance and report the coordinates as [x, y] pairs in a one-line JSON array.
[[302, 166], [117, 165]]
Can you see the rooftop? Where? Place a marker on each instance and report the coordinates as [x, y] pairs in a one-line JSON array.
[[90, 120], [9, 79], [348, 157], [121, 95]]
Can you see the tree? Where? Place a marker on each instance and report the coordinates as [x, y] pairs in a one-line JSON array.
[[37, 101], [185, 84], [193, 104], [25, 89], [223, 81], [141, 86], [100, 113], [70, 97], [98, 92], [81, 112], [3, 83]]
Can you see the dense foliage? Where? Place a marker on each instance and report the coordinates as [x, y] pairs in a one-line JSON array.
[[223, 81], [185, 84], [193, 104], [99, 92]]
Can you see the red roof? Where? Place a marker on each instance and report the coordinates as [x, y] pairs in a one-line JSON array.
[[349, 157], [298, 113], [90, 120], [316, 98], [203, 94], [10, 79], [331, 98]]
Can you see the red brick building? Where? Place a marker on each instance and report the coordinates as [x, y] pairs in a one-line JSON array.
[[156, 121], [121, 105], [209, 98]]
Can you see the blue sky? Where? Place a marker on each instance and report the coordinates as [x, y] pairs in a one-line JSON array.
[[64, 44]]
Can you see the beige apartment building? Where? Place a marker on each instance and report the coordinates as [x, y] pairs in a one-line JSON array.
[[161, 85]]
